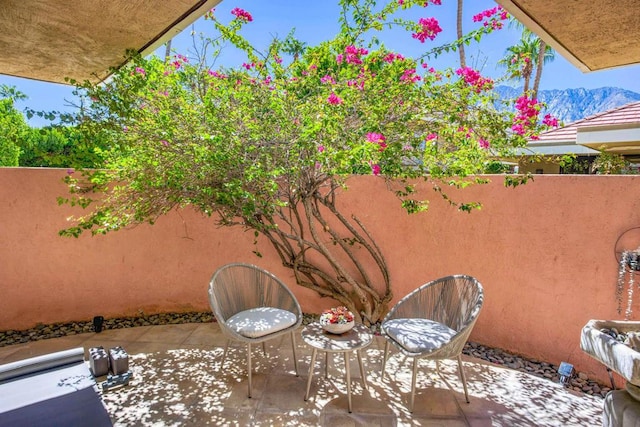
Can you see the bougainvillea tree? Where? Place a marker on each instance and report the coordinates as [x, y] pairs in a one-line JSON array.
[[269, 145]]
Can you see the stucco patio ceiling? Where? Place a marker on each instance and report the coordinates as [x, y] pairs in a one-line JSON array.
[[593, 35], [53, 39]]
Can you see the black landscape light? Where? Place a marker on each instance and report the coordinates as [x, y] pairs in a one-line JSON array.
[[97, 323]]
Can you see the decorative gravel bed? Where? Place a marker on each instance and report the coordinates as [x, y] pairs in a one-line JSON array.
[[579, 382]]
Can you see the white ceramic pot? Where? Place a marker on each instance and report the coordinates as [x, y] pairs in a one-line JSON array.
[[338, 328]]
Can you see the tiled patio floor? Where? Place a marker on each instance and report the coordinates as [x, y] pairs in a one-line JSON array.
[[177, 380]]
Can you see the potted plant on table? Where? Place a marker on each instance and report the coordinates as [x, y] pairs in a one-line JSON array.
[[337, 320]]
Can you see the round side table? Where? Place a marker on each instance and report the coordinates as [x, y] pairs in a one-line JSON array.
[[354, 340]]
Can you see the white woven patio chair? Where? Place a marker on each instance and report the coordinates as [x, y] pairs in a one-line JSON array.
[[252, 306], [434, 322]]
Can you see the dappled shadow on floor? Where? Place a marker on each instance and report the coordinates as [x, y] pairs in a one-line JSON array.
[[499, 396], [191, 387]]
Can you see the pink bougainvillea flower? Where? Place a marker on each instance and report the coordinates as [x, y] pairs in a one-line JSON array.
[[320, 148], [328, 79], [242, 15], [484, 14], [182, 58], [518, 128], [352, 54], [492, 17], [217, 74], [496, 25], [429, 69], [466, 131], [377, 138], [549, 120], [431, 137], [334, 99], [473, 78], [375, 169], [527, 111], [429, 29], [70, 171], [141, 70], [410, 76], [165, 143], [390, 57], [483, 143]]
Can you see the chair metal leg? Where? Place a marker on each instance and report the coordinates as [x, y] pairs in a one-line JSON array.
[[313, 361], [362, 374], [326, 364], [249, 366], [295, 357], [413, 383], [463, 378], [384, 358], [264, 348], [348, 375]]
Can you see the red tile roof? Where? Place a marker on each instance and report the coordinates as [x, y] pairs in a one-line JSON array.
[[626, 114]]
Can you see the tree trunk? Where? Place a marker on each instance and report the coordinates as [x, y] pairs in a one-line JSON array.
[[463, 59], [167, 51], [331, 254], [527, 70], [540, 63]]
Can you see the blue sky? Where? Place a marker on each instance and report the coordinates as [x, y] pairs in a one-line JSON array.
[[316, 21]]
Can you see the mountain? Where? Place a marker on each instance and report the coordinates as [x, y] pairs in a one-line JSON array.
[[569, 105]]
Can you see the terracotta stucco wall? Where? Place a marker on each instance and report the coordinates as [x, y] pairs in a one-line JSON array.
[[544, 253]]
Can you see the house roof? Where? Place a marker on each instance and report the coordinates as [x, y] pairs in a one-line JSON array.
[[616, 130], [628, 114], [591, 35], [54, 39]]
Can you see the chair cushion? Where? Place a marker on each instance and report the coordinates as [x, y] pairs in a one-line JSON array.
[[418, 335], [261, 321]]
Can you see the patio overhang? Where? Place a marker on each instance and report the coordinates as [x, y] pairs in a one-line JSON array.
[[621, 139], [557, 149], [591, 35], [58, 39]]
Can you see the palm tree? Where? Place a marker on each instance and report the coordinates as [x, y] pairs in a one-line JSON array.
[[545, 55], [463, 60], [519, 60], [294, 47], [167, 51], [533, 47]]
